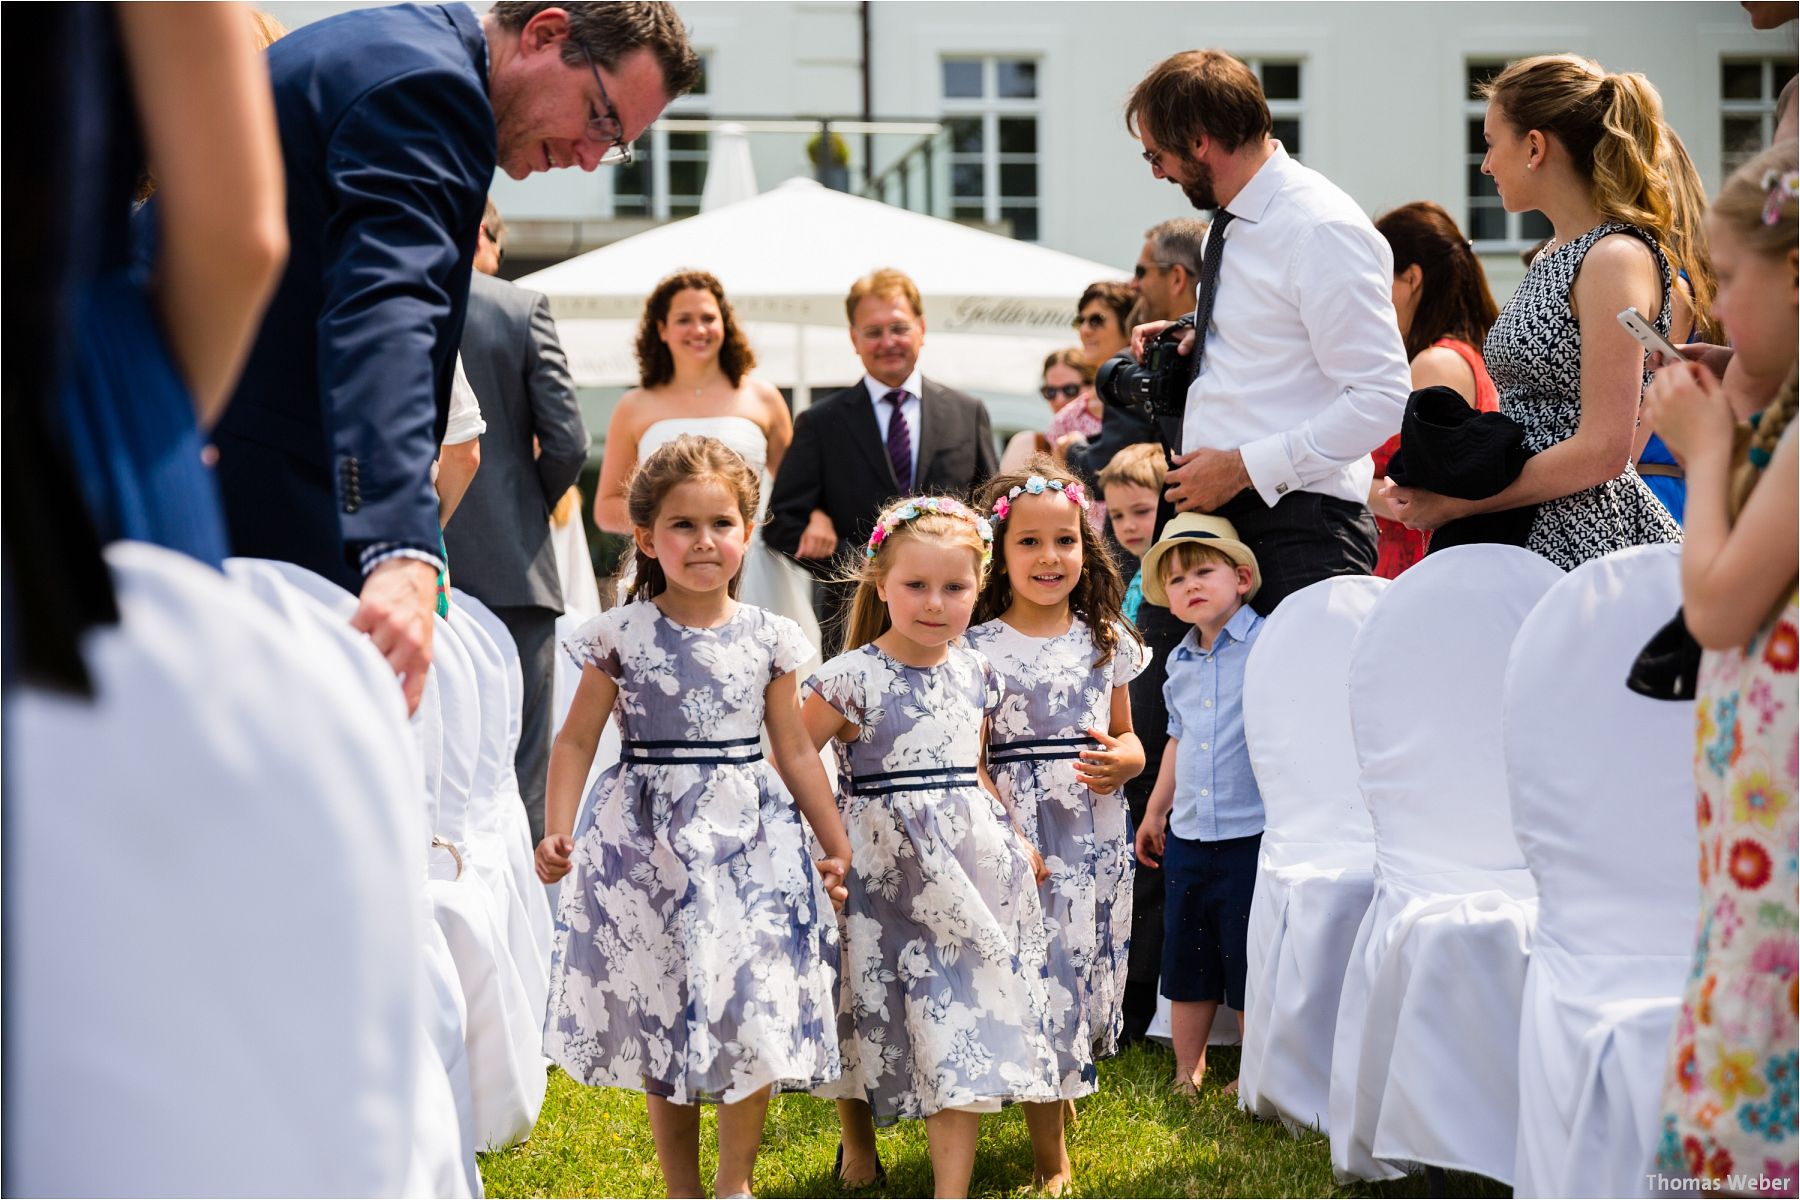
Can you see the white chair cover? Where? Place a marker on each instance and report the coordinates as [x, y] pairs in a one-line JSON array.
[[443, 1160], [427, 721], [1425, 1060], [505, 1041], [1316, 867], [1603, 806], [214, 1008], [514, 825], [496, 813]]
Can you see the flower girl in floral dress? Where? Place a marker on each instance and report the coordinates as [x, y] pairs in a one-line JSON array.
[[944, 1012], [696, 948], [1060, 749]]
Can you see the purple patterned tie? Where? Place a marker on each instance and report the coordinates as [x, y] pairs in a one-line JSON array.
[[899, 441]]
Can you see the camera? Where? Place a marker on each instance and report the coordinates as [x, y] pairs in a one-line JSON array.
[[1155, 388]]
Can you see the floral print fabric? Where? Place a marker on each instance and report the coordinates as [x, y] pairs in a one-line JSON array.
[[1729, 1102], [695, 952], [945, 993], [1055, 693]]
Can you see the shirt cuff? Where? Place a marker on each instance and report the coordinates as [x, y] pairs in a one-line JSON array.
[[376, 553], [1271, 474]]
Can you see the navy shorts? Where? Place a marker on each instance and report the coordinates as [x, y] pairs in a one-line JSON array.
[[1206, 917]]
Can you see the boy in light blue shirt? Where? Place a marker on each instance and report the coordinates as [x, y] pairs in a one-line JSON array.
[[1204, 821]]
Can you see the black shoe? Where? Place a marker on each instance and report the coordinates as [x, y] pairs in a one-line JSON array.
[[837, 1173]]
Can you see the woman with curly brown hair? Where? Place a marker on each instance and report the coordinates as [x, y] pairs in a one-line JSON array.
[[694, 377]]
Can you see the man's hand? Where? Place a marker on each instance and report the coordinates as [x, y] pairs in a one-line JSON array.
[[819, 539], [1143, 335], [1203, 480], [1713, 358], [399, 598]]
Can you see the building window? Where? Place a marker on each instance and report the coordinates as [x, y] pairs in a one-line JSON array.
[[668, 170], [1488, 224], [1748, 88], [1282, 87], [991, 112]]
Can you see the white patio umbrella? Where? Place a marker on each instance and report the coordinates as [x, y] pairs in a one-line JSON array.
[[993, 306]]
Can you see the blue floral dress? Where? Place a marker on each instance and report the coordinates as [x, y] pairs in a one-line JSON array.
[[1054, 695], [945, 992], [695, 953]]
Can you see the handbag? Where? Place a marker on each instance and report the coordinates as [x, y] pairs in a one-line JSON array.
[[1668, 667]]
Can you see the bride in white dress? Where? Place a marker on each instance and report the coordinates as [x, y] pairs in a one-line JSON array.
[[694, 366]]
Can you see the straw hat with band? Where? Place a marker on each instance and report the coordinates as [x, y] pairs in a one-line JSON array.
[[1215, 532]]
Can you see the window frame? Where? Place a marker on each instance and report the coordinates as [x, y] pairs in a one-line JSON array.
[[1285, 109], [1762, 108], [991, 108], [1473, 114], [657, 156]]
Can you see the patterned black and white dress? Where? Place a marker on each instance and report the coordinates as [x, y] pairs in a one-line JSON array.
[[1533, 353]]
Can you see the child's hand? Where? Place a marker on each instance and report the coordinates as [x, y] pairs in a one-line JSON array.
[[1104, 771], [1688, 409], [831, 874], [552, 857], [1150, 837], [1039, 871]]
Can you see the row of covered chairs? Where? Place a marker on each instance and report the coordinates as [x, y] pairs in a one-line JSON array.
[[1477, 891], [265, 933]]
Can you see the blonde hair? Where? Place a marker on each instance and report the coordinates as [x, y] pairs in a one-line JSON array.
[[685, 460], [1611, 125], [867, 617], [1745, 205], [888, 284], [1144, 465], [1687, 233]]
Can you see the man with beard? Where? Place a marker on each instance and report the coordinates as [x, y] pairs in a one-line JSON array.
[[1299, 367], [392, 122]]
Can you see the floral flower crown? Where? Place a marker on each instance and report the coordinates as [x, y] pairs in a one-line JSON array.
[[943, 506], [1781, 188], [1037, 485]]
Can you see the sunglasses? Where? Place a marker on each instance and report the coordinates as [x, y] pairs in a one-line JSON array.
[[1091, 321], [1068, 390], [1140, 270]]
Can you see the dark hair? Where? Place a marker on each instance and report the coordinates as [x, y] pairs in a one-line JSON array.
[[1112, 293], [613, 29], [656, 366], [1199, 93], [684, 460], [1099, 594], [1454, 300]]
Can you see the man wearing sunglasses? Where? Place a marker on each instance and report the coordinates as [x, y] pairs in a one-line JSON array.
[[392, 123]]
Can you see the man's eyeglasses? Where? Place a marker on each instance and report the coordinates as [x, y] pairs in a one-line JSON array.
[[872, 333], [1068, 390], [1093, 320], [607, 128], [1154, 158], [1140, 270]]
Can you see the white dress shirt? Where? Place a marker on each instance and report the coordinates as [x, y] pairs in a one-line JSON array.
[[1304, 372], [913, 387]]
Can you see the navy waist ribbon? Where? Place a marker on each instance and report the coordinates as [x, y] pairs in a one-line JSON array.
[[736, 751], [890, 782], [1000, 753]]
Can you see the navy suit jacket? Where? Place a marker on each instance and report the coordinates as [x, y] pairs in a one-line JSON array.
[[387, 136]]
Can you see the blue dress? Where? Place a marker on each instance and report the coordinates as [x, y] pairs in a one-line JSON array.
[[1054, 695], [695, 952], [945, 991]]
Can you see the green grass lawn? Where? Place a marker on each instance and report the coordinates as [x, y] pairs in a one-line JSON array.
[[1132, 1139]]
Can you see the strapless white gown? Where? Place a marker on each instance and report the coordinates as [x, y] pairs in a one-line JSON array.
[[770, 580]]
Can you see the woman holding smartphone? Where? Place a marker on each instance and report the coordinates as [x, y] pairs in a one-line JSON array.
[[1584, 148]]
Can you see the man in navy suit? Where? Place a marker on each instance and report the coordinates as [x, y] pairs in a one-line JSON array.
[[392, 122]]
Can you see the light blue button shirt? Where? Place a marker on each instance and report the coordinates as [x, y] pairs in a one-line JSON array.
[[1215, 790]]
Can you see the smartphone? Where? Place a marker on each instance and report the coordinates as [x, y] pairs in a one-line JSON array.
[[1647, 337]]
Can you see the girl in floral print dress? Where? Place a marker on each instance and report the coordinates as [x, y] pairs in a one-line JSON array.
[[696, 947], [1730, 1100], [1060, 750], [945, 995]]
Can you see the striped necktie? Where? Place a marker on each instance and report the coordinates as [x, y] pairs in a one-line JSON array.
[[899, 441]]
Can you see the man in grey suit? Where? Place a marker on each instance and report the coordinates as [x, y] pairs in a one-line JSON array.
[[499, 538]]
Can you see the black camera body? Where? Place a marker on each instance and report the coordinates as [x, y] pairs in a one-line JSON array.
[[1155, 388]]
